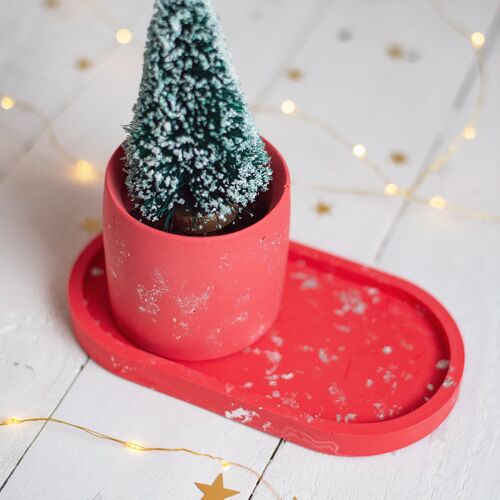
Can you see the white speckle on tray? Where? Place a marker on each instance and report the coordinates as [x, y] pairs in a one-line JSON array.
[[266, 426], [350, 417], [337, 392], [325, 357], [277, 340], [247, 385], [306, 348], [448, 382], [387, 349], [241, 415], [368, 383], [443, 364], [275, 394], [406, 345], [343, 328]]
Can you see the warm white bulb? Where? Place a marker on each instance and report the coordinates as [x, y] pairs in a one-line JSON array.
[[469, 133], [359, 151], [288, 107], [477, 39], [437, 202], [7, 102], [134, 446], [391, 189], [84, 172], [123, 36]]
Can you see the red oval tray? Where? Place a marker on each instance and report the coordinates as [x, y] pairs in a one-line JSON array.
[[358, 363]]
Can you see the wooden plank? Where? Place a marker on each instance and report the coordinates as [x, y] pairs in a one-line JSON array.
[[455, 259], [43, 203], [37, 68]]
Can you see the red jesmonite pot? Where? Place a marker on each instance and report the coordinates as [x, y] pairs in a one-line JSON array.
[[192, 297]]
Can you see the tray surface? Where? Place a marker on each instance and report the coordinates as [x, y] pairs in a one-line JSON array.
[[358, 363]]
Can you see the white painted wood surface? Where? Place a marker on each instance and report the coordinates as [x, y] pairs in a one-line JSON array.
[[386, 104]]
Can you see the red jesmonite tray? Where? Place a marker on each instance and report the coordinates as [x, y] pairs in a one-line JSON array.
[[358, 363]]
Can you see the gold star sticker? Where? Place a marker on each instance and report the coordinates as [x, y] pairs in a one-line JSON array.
[[395, 51], [91, 225], [82, 63], [51, 4], [216, 490], [323, 208], [398, 157], [295, 74]]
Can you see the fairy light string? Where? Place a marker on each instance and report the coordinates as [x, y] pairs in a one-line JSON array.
[[132, 445]]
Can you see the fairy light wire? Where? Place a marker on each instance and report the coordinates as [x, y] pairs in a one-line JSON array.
[[140, 447]]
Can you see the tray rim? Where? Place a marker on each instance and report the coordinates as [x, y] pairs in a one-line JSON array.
[[435, 409]]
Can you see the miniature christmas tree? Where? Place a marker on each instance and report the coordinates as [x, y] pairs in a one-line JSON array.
[[192, 142]]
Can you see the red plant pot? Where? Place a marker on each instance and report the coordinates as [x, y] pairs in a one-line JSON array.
[[189, 297]]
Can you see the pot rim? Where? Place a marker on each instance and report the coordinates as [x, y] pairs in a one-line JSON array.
[[115, 196]]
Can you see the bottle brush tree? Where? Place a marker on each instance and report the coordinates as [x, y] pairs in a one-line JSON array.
[[193, 153]]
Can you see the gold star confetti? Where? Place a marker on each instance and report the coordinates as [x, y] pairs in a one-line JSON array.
[[83, 63], [395, 51], [91, 225], [216, 490], [51, 4], [323, 208], [295, 74], [398, 158]]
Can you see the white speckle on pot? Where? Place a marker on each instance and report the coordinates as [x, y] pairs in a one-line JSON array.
[[241, 415], [225, 261], [247, 385], [241, 318], [189, 304], [309, 419], [148, 297], [369, 383], [243, 299], [266, 426], [387, 349], [350, 417], [430, 387], [287, 376], [275, 394]]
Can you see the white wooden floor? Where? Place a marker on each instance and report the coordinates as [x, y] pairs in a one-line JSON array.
[[412, 103]]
